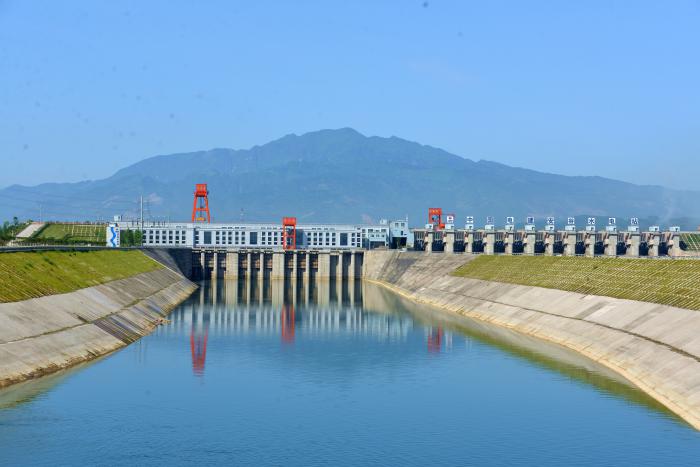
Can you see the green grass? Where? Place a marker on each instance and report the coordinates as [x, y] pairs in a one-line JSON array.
[[692, 241], [72, 233], [668, 282], [27, 275]]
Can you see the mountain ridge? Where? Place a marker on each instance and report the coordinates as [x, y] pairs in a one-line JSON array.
[[343, 176]]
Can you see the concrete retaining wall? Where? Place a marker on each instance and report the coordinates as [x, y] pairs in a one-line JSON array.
[[46, 334], [656, 347]]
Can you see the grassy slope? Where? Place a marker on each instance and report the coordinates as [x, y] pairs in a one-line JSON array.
[[73, 233], [669, 282], [35, 274]]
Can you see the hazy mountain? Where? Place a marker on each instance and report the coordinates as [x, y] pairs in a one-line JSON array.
[[343, 176]]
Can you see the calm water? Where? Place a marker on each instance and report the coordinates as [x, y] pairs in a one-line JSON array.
[[334, 376]]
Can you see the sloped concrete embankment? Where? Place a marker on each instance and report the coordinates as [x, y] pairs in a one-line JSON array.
[[46, 334], [656, 347]]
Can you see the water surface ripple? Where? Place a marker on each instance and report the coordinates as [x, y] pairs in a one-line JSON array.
[[335, 374]]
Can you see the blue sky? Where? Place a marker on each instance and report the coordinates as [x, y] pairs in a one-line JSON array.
[[607, 88]]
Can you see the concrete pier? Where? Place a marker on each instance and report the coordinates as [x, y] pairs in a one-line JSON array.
[[530, 240], [589, 243], [249, 266], [215, 266], [295, 268], [610, 244], [352, 269], [654, 243], [448, 240], [490, 243], [469, 241], [674, 245], [549, 243], [509, 241], [632, 244], [277, 265], [232, 265], [324, 266]]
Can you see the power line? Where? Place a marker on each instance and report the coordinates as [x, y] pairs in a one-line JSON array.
[[74, 199]]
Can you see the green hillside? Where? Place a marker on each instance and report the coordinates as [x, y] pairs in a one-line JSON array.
[[35, 274], [668, 282], [71, 233]]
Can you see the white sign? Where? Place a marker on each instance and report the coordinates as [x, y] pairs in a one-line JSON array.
[[510, 220], [113, 240], [634, 221], [570, 220], [489, 220], [530, 220], [450, 219], [470, 219], [591, 221], [550, 221], [612, 221]]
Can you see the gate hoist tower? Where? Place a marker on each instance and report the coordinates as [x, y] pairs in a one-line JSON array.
[[201, 204]]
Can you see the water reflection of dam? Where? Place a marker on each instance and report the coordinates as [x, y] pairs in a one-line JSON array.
[[230, 308], [219, 309]]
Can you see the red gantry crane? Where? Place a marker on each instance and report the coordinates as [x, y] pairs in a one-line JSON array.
[[201, 204], [289, 233]]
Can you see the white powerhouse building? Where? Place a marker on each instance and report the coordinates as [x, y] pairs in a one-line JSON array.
[[269, 236]]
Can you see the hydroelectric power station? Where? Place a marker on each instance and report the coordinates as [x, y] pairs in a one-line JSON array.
[[292, 249]]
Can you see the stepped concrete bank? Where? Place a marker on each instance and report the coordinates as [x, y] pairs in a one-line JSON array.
[[656, 347], [47, 334]]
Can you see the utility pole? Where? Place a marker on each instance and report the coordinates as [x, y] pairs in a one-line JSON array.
[[141, 222]]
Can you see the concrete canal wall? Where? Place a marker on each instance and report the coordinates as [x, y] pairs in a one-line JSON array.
[[46, 334], [656, 347]]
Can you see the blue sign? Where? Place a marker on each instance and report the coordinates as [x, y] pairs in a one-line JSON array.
[[113, 236]]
